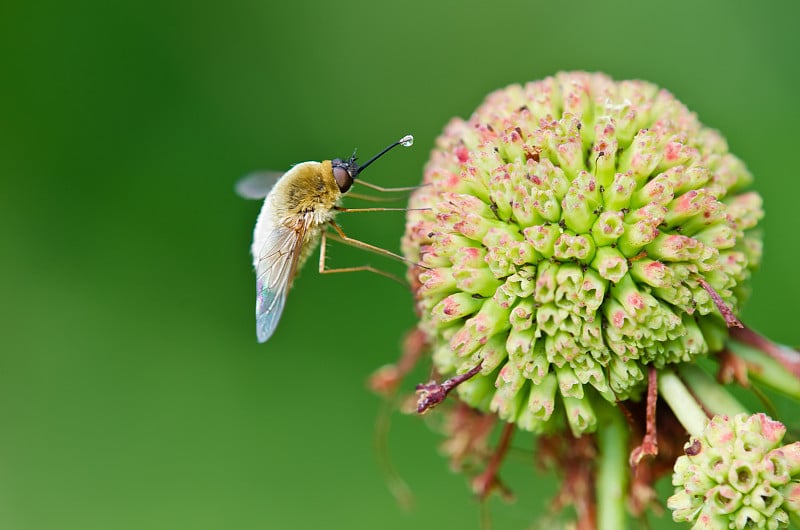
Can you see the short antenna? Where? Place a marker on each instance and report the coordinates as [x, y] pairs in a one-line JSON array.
[[405, 141]]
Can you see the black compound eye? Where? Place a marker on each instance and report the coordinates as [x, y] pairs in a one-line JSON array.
[[343, 178]]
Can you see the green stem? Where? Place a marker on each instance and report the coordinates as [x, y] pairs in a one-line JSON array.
[[714, 397], [612, 473], [683, 405], [766, 370]]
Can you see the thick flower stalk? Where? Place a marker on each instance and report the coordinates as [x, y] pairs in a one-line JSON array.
[[737, 475], [575, 232]]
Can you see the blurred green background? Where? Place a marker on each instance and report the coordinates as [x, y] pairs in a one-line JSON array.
[[133, 394]]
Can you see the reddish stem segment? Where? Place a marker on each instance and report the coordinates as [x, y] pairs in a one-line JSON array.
[[484, 483], [727, 313], [433, 393], [788, 358], [649, 445]]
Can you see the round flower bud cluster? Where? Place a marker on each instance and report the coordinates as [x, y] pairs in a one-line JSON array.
[[737, 475], [576, 230]]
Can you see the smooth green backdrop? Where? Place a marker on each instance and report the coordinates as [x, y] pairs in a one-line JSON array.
[[132, 392]]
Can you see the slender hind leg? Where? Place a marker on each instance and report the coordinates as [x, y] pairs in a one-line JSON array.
[[365, 197], [342, 237], [378, 209], [368, 268], [386, 190]]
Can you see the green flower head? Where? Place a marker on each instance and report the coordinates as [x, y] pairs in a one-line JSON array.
[[737, 475], [574, 231]]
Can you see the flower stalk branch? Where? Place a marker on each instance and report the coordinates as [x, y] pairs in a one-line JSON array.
[[789, 358], [612, 472], [712, 395], [766, 369], [682, 402]]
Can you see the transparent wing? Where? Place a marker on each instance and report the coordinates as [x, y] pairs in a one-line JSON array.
[[275, 269], [256, 185]]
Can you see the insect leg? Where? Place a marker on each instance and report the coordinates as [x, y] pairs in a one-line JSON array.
[[364, 197], [342, 237], [368, 268], [341, 209], [386, 190]]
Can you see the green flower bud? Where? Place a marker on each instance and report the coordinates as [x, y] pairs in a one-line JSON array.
[[570, 233], [737, 475]]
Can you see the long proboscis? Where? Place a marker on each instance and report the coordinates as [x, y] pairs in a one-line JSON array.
[[405, 141]]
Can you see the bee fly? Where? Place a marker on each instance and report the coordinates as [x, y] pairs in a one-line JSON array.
[[299, 206]]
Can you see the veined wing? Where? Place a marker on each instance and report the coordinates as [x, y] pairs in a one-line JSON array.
[[275, 269], [256, 185]]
